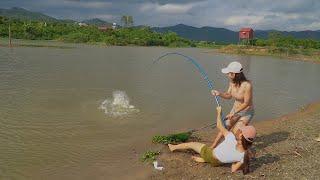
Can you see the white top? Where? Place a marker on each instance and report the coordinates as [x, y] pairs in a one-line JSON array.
[[227, 152]]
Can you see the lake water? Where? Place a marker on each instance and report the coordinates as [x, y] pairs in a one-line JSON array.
[[59, 119]]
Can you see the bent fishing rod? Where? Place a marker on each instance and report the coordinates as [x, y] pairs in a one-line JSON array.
[[204, 75]]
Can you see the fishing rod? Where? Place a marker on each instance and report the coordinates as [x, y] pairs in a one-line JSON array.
[[203, 74]]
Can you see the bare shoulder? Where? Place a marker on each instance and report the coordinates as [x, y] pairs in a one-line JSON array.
[[247, 84]]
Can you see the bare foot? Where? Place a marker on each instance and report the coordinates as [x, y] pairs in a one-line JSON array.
[[317, 139], [197, 159], [171, 148]]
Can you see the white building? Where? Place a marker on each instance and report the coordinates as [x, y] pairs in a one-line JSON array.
[[114, 25], [82, 24]]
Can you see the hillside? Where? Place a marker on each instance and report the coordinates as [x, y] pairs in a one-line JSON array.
[[97, 22], [23, 14], [204, 33], [223, 35]]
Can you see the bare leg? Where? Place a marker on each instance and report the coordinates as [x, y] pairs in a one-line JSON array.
[[190, 145], [198, 159]]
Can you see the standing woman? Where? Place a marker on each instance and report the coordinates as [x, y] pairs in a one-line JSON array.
[[240, 89]]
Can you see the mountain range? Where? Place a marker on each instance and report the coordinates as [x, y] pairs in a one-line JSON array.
[[228, 36], [205, 33], [97, 22]]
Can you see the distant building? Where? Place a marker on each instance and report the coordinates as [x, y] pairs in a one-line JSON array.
[[105, 28], [82, 24], [246, 35], [114, 26]]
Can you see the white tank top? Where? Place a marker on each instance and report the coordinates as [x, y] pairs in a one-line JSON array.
[[226, 152]]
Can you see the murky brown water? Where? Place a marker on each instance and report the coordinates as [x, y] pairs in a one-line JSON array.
[[51, 126]]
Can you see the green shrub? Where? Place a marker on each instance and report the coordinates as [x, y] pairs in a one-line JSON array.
[[172, 138], [149, 156]]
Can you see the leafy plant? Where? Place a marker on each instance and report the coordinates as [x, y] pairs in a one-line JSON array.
[[150, 156], [172, 138]]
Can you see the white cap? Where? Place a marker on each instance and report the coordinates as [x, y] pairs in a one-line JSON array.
[[234, 67]]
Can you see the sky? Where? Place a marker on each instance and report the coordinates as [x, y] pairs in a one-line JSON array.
[[285, 15]]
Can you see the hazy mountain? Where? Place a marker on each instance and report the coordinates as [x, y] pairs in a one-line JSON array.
[[204, 33], [97, 22], [227, 36], [20, 13]]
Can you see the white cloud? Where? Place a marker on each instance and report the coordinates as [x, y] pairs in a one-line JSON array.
[[243, 20], [167, 8], [312, 26], [105, 16], [87, 4]]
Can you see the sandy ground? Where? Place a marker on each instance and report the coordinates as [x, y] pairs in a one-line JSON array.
[[285, 149]]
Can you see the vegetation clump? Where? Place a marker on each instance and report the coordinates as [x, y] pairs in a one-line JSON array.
[[150, 156], [172, 138]]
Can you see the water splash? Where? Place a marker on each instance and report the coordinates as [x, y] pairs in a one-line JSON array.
[[118, 106]]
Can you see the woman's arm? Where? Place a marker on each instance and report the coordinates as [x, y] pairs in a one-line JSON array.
[[225, 95], [220, 126]]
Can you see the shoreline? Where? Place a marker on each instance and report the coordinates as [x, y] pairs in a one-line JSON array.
[[223, 49], [32, 43], [264, 51], [287, 149]]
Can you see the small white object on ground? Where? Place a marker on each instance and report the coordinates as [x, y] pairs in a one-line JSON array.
[[318, 139], [155, 165]]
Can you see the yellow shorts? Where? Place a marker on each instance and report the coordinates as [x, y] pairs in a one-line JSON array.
[[206, 154]]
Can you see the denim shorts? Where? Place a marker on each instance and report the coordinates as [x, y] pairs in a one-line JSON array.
[[248, 114]]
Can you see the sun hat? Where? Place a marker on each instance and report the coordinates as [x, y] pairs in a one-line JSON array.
[[233, 67], [248, 132]]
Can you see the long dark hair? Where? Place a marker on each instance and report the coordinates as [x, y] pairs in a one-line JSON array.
[[239, 78], [246, 161]]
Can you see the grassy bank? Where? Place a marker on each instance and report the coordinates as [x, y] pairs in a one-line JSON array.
[[285, 149], [288, 53]]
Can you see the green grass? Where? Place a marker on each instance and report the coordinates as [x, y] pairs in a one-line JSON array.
[[149, 156], [172, 138]]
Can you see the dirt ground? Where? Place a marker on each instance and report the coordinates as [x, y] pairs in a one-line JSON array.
[[285, 149]]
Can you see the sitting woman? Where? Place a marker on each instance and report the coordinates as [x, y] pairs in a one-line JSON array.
[[232, 150]]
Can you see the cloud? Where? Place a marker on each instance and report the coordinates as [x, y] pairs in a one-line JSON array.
[[105, 16], [86, 4], [243, 20], [167, 8]]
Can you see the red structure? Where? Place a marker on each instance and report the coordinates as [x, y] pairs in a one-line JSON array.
[[246, 34]]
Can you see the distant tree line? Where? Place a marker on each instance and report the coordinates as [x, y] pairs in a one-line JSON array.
[[276, 39], [141, 36], [70, 32]]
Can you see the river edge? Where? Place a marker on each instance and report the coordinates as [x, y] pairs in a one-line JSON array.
[[264, 51], [224, 49], [285, 148]]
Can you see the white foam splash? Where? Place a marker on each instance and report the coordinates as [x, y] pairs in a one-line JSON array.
[[119, 105]]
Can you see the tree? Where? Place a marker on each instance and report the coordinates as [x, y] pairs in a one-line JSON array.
[[127, 21], [274, 37]]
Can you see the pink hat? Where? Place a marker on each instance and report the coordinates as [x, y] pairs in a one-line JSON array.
[[248, 132]]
